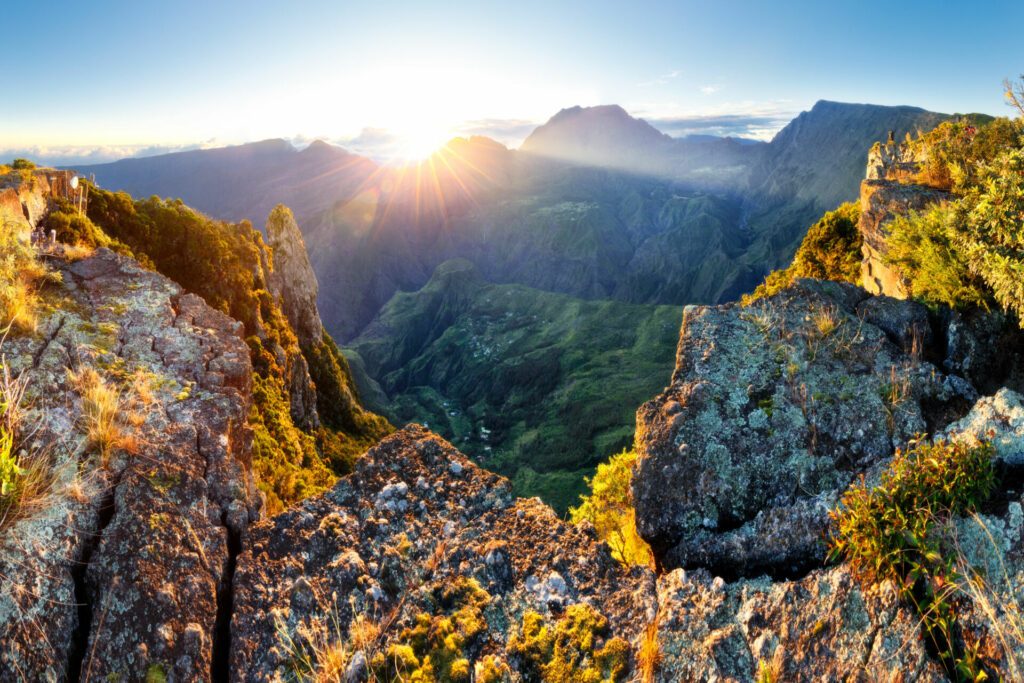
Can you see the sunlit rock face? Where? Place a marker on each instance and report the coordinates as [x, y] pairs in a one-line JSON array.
[[889, 190], [119, 573], [292, 278], [773, 410]]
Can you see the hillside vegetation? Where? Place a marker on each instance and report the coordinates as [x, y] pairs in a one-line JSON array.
[[537, 386], [829, 251], [968, 251], [226, 264]]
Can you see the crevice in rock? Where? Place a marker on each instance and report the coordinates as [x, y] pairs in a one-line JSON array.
[[221, 657], [38, 357], [80, 637]]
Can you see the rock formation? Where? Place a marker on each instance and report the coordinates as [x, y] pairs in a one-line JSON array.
[[414, 518], [772, 412], [292, 279], [26, 196], [888, 191], [123, 573]]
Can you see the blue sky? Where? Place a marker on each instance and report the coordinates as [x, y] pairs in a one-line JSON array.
[[112, 79]]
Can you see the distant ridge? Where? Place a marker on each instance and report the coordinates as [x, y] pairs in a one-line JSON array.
[[243, 181]]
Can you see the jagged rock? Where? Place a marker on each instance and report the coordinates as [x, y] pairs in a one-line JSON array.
[[906, 322], [880, 202], [984, 347], [119, 577], [293, 280], [404, 525], [891, 161], [772, 411], [998, 419], [824, 627]]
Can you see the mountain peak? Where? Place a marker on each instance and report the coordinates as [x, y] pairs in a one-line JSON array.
[[604, 135]]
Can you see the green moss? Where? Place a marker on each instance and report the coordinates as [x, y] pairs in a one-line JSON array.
[[440, 643], [574, 650], [155, 673], [491, 669]]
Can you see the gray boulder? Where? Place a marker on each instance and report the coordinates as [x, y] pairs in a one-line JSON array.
[[772, 411]]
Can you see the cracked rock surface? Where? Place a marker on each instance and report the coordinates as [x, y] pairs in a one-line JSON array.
[[118, 578]]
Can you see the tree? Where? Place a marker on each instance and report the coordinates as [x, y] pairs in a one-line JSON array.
[[1014, 92], [609, 508]]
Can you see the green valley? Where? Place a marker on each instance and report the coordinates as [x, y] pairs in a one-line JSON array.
[[535, 385]]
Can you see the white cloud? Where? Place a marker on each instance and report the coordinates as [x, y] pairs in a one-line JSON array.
[[662, 79], [748, 119], [710, 89], [70, 155]]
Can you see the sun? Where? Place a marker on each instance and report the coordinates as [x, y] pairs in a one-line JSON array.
[[417, 143]]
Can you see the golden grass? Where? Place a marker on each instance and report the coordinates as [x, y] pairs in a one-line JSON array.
[[825, 320], [649, 657], [108, 420], [26, 475], [20, 275]]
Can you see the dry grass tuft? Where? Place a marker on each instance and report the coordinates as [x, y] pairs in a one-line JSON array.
[[20, 276], [26, 475], [649, 657], [109, 422]]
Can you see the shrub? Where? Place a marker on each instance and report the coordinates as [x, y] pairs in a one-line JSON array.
[[831, 250], [21, 274], [609, 507], [895, 531], [921, 247], [954, 150], [22, 165], [969, 251], [992, 243]]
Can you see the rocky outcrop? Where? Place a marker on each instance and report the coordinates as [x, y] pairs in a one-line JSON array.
[[824, 627], [292, 279], [26, 195], [889, 190], [414, 518], [124, 570], [999, 420], [880, 202], [773, 410]]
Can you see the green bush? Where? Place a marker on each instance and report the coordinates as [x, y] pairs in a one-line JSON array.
[[895, 531], [609, 507], [22, 165], [921, 247], [831, 250], [954, 150], [993, 242], [970, 251]]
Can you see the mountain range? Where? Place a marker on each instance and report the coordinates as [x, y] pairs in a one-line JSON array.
[[596, 206]]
